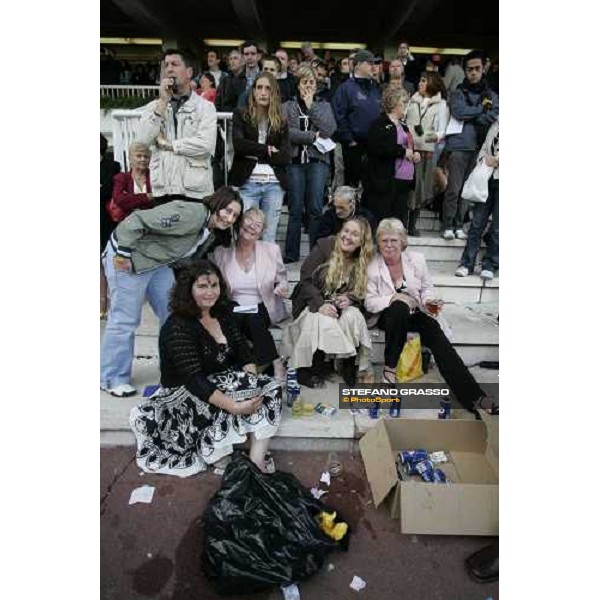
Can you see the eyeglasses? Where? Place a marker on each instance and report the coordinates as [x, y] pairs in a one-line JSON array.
[[253, 224]]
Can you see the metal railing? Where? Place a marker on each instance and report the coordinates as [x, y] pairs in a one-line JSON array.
[[124, 126], [128, 91]]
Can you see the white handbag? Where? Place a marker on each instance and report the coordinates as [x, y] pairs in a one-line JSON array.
[[476, 185]]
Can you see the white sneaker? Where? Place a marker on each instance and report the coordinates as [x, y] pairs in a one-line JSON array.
[[448, 234], [121, 391], [461, 235], [461, 272], [488, 275]]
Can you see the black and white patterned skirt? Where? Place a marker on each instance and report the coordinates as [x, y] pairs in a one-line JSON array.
[[179, 434]]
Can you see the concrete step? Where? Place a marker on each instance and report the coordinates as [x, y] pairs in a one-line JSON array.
[[433, 247], [449, 287], [474, 333], [314, 432], [425, 224]]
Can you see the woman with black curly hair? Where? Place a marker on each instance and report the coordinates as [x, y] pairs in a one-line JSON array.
[[211, 396]]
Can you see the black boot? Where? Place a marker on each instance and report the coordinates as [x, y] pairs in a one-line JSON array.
[[412, 223], [319, 368], [305, 376], [348, 370]]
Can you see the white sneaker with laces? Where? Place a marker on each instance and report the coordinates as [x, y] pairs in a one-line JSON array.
[[461, 235], [488, 275], [461, 272], [121, 391], [448, 234]]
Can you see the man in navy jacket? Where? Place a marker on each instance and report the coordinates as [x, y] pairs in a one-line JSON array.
[[356, 104]]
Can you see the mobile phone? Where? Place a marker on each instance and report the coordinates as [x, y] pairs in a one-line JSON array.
[[174, 85]]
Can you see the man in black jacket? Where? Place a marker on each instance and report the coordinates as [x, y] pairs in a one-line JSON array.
[[233, 86], [286, 81]]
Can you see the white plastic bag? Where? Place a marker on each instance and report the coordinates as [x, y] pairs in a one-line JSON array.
[[476, 186]]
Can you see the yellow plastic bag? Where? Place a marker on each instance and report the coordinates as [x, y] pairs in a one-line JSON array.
[[410, 363]]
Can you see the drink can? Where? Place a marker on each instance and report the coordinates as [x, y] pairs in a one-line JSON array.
[[427, 476], [292, 376], [410, 468], [413, 456], [418, 467], [439, 476], [395, 409], [293, 391], [424, 466], [445, 406]]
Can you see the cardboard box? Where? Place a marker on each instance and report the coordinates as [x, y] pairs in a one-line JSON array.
[[467, 506]]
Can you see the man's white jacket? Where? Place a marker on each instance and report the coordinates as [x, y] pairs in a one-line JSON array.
[[187, 169]]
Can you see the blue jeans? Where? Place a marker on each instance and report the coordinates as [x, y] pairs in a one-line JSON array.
[[481, 214], [269, 198], [128, 291], [306, 188]]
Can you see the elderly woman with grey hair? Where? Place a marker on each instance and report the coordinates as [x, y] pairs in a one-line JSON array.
[[309, 120], [343, 206], [401, 297]]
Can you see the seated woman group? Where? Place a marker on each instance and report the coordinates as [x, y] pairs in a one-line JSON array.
[[212, 392]]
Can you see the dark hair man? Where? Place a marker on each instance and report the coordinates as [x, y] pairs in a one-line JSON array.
[[476, 106], [412, 67], [231, 88], [212, 60], [181, 130]]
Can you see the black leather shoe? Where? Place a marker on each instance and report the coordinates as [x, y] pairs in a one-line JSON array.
[[483, 566], [348, 370]]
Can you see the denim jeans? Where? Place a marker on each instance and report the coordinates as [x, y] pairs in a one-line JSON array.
[[481, 214], [269, 198], [128, 291], [306, 188]]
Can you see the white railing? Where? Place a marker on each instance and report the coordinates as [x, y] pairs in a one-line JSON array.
[[127, 91], [124, 126]]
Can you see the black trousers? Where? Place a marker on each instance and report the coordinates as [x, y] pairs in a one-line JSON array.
[[354, 163], [256, 328], [397, 321]]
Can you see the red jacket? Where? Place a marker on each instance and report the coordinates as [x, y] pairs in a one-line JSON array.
[[124, 198]]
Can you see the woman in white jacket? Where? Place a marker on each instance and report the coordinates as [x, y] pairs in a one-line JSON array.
[[427, 116]]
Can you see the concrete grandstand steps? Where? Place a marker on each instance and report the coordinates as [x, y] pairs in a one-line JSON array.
[[431, 245], [449, 287], [428, 221], [474, 333]]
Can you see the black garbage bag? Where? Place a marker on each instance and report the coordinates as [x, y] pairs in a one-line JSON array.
[[260, 530]]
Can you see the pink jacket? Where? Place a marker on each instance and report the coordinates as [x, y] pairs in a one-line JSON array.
[[270, 271], [380, 287]]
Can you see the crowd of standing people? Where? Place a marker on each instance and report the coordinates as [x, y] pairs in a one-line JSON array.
[[296, 130]]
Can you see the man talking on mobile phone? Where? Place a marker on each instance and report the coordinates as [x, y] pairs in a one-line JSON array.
[[181, 129]]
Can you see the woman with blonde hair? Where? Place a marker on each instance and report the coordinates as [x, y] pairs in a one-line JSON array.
[[261, 151], [326, 306]]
